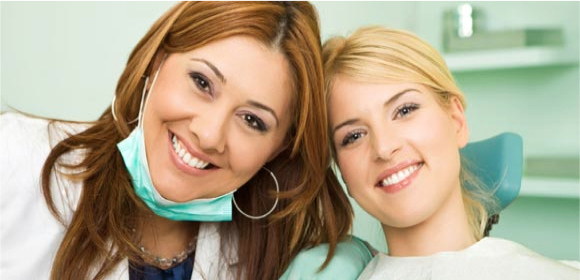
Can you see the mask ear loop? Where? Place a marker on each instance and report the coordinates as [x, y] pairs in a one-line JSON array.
[[113, 111], [113, 108], [144, 100], [141, 104], [273, 207]]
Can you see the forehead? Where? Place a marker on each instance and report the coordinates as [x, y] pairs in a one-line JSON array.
[[349, 97], [347, 88], [251, 69], [228, 53]]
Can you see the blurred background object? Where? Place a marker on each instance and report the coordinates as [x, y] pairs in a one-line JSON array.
[[464, 30], [462, 21]]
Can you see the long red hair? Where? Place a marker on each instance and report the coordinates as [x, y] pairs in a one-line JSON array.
[[313, 207]]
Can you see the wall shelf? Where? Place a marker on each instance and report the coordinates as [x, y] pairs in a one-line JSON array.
[[510, 58], [550, 187]]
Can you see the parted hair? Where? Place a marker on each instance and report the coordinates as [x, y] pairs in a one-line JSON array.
[[313, 207], [377, 54]]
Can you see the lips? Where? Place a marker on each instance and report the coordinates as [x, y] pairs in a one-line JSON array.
[[398, 174], [186, 156]]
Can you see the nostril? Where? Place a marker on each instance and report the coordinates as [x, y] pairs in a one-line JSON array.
[[209, 133]]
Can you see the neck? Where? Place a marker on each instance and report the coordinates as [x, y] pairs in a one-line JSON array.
[[446, 230], [166, 238]]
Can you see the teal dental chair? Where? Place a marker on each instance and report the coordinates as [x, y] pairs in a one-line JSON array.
[[498, 161]]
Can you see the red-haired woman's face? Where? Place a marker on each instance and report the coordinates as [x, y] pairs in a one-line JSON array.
[[397, 148], [215, 116]]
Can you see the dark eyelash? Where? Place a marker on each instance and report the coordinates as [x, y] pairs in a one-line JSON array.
[[254, 122], [350, 137], [201, 82], [405, 110]]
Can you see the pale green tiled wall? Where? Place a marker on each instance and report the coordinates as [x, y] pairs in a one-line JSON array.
[[56, 54]]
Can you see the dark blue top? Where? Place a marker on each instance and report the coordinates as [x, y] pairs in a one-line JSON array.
[[181, 271]]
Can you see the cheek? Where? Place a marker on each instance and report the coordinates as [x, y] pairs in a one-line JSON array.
[[351, 173], [248, 155], [444, 139], [440, 148], [432, 135]]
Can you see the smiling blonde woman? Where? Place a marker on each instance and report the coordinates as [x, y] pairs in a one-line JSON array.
[[397, 123]]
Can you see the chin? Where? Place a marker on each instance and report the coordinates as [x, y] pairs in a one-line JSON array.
[[402, 221]]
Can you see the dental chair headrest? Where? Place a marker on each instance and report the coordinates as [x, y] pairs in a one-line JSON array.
[[498, 163]]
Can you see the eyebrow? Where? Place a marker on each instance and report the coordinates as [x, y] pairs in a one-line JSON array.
[[212, 67], [223, 79], [264, 107], [387, 103]]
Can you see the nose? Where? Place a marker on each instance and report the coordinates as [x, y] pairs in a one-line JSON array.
[[210, 131], [385, 145]]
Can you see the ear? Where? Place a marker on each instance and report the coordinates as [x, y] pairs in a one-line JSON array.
[[458, 117]]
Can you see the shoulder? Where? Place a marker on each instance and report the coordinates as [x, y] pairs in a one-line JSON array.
[[19, 129], [26, 141], [16, 127], [25, 144], [498, 247], [349, 260], [498, 257], [511, 248], [490, 258]]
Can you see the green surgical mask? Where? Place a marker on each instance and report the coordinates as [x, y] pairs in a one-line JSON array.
[[210, 209], [133, 152]]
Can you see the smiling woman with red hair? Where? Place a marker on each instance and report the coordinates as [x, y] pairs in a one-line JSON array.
[[221, 104]]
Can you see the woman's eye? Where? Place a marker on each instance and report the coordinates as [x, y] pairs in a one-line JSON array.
[[351, 137], [201, 82], [254, 122], [405, 110]]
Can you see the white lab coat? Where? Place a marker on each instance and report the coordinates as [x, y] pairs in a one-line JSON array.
[[490, 258], [29, 233]]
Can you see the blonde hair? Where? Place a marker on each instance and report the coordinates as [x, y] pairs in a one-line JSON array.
[[376, 54]]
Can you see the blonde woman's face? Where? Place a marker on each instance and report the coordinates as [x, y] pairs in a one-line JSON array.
[[215, 116], [397, 149]]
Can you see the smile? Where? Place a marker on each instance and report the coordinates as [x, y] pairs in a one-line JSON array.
[[399, 176], [186, 157]]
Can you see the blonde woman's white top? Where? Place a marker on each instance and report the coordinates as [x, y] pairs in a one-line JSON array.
[[490, 258]]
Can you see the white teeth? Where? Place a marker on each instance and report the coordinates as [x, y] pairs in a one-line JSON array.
[[187, 157], [396, 177], [399, 176]]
